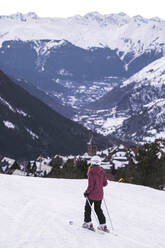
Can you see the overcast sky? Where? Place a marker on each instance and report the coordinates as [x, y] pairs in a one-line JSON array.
[[66, 8]]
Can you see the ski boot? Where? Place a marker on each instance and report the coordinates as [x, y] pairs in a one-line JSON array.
[[88, 225], [103, 227]]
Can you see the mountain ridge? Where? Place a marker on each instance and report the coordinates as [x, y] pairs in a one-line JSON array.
[[90, 30], [29, 127]]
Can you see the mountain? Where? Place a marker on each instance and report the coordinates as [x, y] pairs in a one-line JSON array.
[[29, 128], [38, 207], [136, 107], [50, 100], [71, 74], [146, 101], [147, 125], [117, 31], [58, 59], [66, 56], [81, 67]]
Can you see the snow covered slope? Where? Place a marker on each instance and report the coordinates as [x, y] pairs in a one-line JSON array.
[[35, 212]]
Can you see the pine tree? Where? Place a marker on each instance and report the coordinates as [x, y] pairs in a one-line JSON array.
[[34, 168], [150, 169], [28, 167]]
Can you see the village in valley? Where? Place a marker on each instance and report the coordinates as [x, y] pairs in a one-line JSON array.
[[115, 161]]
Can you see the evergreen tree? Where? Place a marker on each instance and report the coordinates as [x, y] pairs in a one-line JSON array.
[[56, 163], [28, 167], [34, 168], [150, 169]]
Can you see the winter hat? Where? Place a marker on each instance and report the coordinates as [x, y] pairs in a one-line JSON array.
[[95, 160]]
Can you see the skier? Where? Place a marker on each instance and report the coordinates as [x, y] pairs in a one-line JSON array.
[[94, 194]]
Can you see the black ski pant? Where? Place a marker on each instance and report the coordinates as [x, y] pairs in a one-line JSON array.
[[98, 210]]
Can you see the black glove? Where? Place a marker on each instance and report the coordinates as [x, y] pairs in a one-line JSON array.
[[86, 195]]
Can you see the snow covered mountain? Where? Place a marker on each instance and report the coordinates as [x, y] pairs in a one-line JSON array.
[[135, 109], [36, 212], [117, 31], [92, 63], [72, 75], [146, 101]]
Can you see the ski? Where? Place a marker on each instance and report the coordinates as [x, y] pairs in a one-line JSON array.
[[88, 229], [107, 231], [100, 229]]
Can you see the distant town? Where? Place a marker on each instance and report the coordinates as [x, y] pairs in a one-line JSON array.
[[114, 158]]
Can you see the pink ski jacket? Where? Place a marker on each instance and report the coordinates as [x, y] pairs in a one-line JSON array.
[[96, 181]]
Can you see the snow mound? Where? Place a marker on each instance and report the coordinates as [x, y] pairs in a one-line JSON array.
[[36, 212]]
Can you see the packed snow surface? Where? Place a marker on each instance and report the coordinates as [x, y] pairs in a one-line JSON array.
[[35, 213]]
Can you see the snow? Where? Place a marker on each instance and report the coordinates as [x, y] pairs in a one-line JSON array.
[[153, 74], [92, 30], [34, 136], [72, 100], [46, 46], [43, 167], [36, 212], [119, 164], [3, 101], [159, 102], [10, 161], [110, 125], [9, 124], [155, 135], [21, 112], [19, 173]]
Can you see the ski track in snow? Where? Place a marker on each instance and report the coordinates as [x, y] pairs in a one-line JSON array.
[[35, 213]]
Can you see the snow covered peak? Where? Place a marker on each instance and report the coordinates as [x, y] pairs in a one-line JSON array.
[[93, 15], [31, 15], [21, 17], [156, 19], [139, 18], [107, 19], [117, 31]]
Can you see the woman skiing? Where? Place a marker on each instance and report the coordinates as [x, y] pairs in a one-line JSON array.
[[94, 194]]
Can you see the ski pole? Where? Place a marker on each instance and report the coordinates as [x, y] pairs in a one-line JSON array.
[[108, 214], [92, 210]]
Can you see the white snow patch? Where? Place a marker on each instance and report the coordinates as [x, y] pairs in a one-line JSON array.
[[9, 124], [72, 100], [21, 112], [10, 161], [110, 125], [34, 136], [3, 101]]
